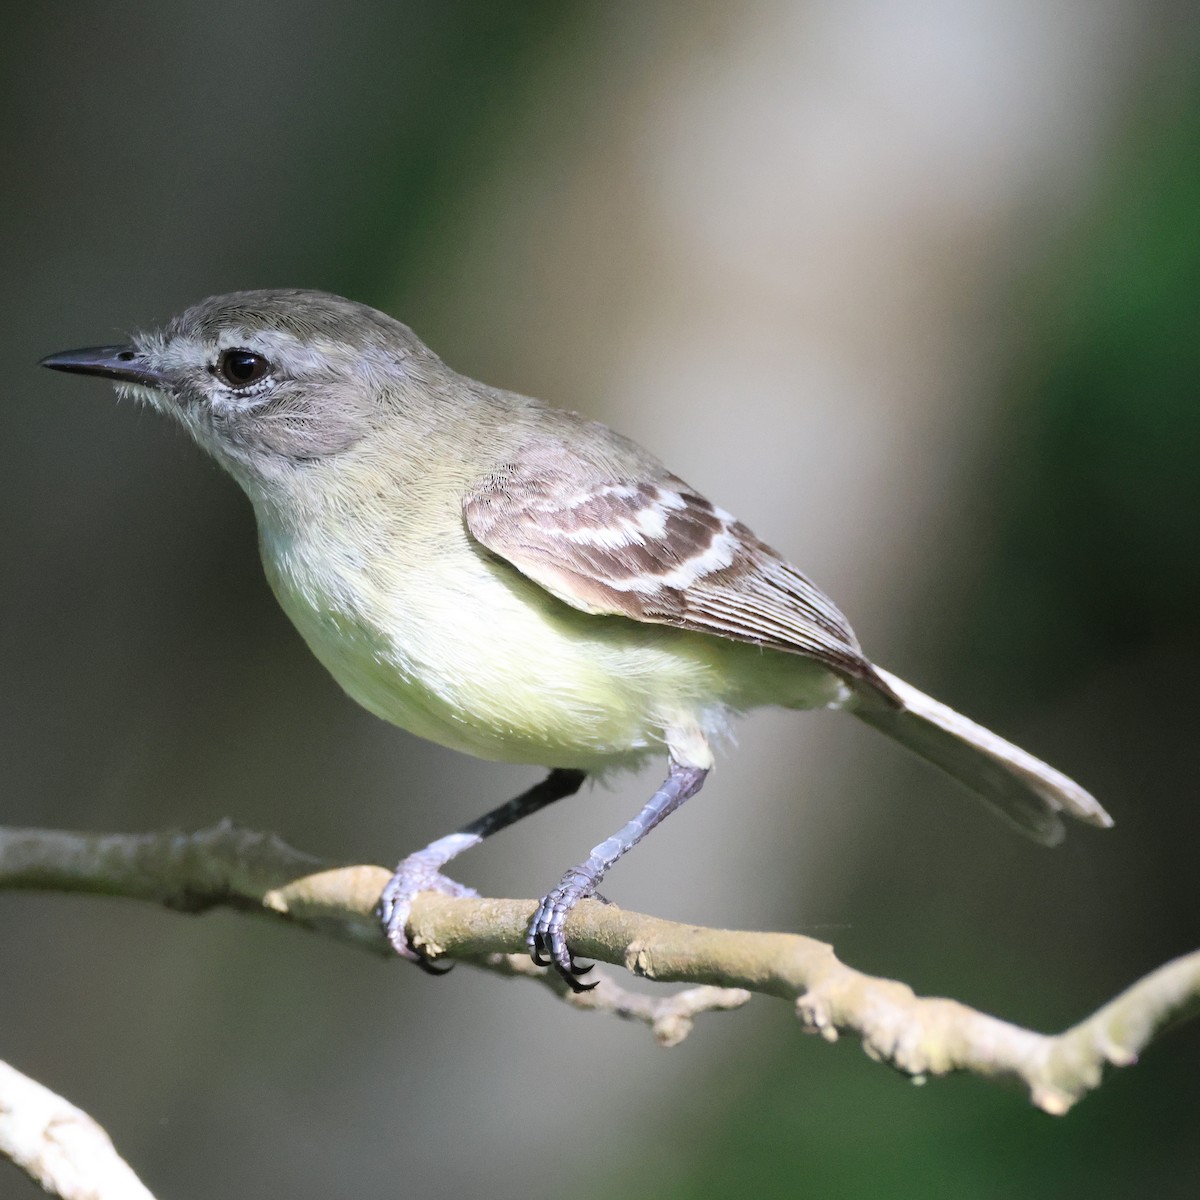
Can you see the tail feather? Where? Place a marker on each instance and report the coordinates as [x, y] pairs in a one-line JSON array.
[[1022, 789]]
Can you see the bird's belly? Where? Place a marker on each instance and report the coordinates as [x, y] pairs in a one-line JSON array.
[[483, 661], [485, 699], [474, 671]]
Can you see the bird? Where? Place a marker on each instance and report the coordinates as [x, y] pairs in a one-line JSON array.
[[519, 583]]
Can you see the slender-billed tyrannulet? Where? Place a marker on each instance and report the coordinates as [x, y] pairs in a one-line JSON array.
[[515, 581]]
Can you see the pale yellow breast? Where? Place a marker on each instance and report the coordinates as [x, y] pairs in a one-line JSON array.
[[440, 639]]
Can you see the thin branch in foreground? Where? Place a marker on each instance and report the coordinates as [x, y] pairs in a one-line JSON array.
[[59, 1146], [256, 872]]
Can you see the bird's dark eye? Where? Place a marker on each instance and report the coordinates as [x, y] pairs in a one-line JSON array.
[[240, 368]]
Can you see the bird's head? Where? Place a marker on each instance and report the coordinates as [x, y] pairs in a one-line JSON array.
[[266, 381]]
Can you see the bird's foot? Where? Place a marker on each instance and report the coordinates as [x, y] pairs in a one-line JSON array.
[[417, 873], [547, 940]]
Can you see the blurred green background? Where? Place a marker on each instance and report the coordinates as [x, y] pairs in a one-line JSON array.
[[914, 289]]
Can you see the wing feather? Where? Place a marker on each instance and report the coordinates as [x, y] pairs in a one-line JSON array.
[[654, 550]]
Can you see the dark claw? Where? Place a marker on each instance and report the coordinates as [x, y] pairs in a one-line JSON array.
[[546, 942], [430, 967], [534, 941], [570, 971]]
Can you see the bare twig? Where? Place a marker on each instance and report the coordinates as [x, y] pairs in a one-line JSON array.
[[59, 1146], [919, 1036]]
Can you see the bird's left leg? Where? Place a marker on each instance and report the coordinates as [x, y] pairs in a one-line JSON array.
[[421, 872], [546, 933]]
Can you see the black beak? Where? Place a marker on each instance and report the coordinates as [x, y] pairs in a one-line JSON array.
[[121, 363]]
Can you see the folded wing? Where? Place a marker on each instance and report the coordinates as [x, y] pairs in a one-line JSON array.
[[654, 550]]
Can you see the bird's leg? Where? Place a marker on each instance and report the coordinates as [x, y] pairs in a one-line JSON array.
[[547, 942], [421, 872]]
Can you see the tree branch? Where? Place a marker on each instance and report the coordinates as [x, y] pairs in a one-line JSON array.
[[256, 872], [59, 1146]]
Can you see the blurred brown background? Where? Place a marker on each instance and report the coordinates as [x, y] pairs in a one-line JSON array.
[[914, 289]]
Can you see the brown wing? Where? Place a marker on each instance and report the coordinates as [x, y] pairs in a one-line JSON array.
[[654, 550]]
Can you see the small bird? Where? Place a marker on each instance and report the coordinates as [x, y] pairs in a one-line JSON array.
[[517, 582]]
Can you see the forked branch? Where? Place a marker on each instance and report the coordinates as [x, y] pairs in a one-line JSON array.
[[256, 872]]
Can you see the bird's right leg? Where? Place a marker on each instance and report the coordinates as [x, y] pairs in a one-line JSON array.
[[422, 871]]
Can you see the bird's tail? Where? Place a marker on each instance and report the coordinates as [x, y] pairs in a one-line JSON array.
[[1022, 789]]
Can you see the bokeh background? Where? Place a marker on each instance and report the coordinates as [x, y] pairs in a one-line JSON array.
[[912, 288]]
